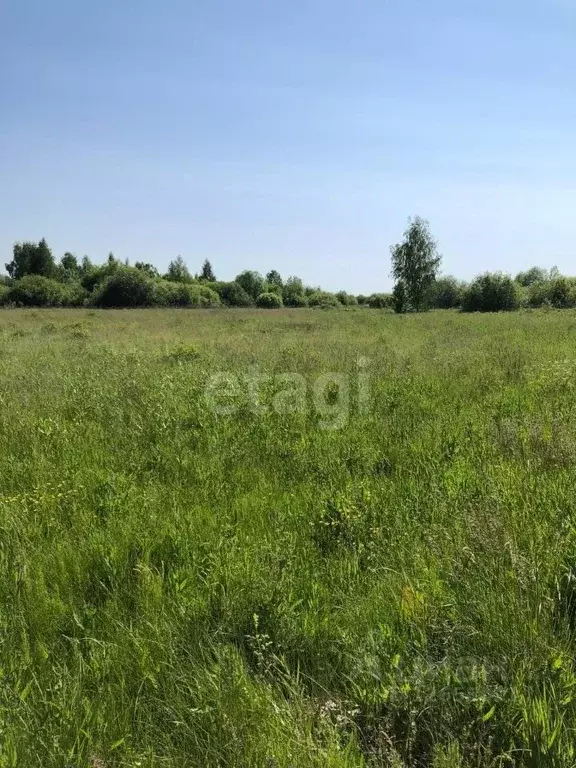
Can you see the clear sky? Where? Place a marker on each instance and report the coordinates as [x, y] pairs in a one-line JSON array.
[[297, 135]]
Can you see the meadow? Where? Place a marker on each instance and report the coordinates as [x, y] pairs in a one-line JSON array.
[[379, 571]]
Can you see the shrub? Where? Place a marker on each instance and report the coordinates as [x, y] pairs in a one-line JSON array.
[[295, 300], [234, 295], [379, 301], [252, 282], [4, 291], [128, 287], [203, 296], [531, 276], [93, 276], [36, 291], [293, 292], [74, 295], [269, 300], [559, 292], [445, 293], [562, 292], [346, 299], [172, 294], [491, 292], [322, 299], [538, 294]]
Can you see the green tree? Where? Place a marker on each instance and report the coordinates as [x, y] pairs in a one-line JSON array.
[[68, 270], [126, 287], [346, 299], [252, 282], [178, 271], [234, 295], [491, 292], [207, 272], [415, 262], [148, 268], [378, 301], [69, 262], [31, 259], [444, 293], [92, 275], [531, 276], [274, 278], [35, 290], [86, 266], [293, 292]]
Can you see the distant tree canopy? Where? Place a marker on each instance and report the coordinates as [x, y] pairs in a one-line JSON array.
[[252, 282], [35, 279], [531, 276], [444, 293], [491, 292], [207, 272], [178, 271], [274, 278], [148, 269], [293, 292], [31, 259]]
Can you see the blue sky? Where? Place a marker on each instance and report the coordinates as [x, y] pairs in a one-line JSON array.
[[293, 135]]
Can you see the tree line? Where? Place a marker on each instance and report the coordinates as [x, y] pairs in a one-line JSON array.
[[35, 278]]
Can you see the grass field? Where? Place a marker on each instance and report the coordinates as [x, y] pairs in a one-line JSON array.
[[378, 569]]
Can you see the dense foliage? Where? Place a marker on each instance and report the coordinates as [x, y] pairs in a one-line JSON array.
[[34, 278], [415, 264], [269, 300], [491, 293]]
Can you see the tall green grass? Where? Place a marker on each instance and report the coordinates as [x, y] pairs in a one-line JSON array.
[[182, 588]]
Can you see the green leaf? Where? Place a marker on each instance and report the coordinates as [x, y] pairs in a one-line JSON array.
[[488, 715]]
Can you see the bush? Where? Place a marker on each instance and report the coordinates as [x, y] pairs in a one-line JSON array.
[[172, 294], [234, 295], [379, 301], [538, 294], [128, 287], [203, 296], [295, 300], [293, 292], [563, 292], [74, 295], [491, 292], [558, 292], [322, 299], [445, 293], [93, 276], [273, 288], [269, 300], [252, 282], [346, 299], [36, 291], [4, 291], [531, 276]]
